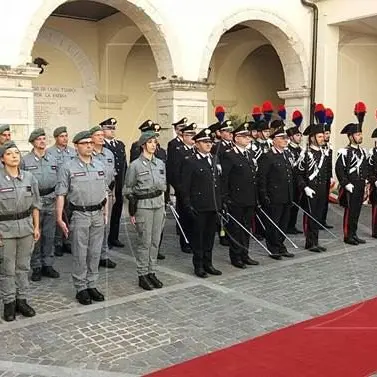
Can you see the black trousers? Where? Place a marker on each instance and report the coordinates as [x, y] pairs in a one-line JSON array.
[[279, 214], [293, 214], [326, 206], [116, 213], [353, 209], [238, 238], [374, 220], [204, 231], [315, 208]]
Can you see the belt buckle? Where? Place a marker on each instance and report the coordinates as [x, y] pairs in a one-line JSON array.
[[84, 208]]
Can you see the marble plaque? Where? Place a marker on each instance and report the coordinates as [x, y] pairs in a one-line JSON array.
[[56, 106]]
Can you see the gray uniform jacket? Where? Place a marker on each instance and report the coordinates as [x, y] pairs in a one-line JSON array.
[[108, 161], [18, 195], [146, 177], [45, 170], [62, 155], [84, 183]]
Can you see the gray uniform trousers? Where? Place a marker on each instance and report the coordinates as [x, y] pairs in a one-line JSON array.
[[43, 254], [87, 229], [105, 245], [149, 225], [14, 267]]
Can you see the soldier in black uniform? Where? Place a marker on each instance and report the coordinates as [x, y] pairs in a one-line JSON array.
[[135, 150], [223, 132], [201, 194], [294, 147], [185, 149], [329, 154], [275, 184], [239, 191], [351, 169], [312, 180], [119, 151], [372, 179]]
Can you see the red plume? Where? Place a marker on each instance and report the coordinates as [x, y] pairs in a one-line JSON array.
[[219, 109], [267, 107], [360, 108], [257, 113], [319, 108]]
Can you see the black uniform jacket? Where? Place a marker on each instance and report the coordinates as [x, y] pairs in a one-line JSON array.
[[372, 176], [201, 183], [239, 178], [119, 152], [174, 146], [275, 178]]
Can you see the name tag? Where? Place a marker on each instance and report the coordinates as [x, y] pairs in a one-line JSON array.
[[79, 174], [101, 173], [31, 167], [7, 189], [53, 167], [144, 173]]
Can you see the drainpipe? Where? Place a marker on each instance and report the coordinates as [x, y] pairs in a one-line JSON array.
[[314, 56]]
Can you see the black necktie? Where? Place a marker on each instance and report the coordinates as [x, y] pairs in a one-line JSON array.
[[112, 143], [246, 155]]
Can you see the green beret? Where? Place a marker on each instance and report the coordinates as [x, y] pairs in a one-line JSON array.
[[80, 136], [4, 127], [95, 129], [58, 131], [7, 145], [36, 133], [145, 136]]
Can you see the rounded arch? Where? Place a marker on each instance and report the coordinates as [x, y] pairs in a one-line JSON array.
[[282, 37], [141, 12], [67, 46]]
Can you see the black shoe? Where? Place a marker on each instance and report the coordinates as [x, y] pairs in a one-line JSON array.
[[238, 264], [315, 249], [36, 274], [155, 282], [83, 297], [107, 263], [275, 256], [327, 226], [10, 311], [212, 270], [250, 262], [160, 256], [224, 241], [374, 235], [359, 240], [186, 249], [200, 273], [24, 308], [116, 243], [95, 294], [67, 248], [351, 241], [287, 254], [145, 283], [49, 272], [59, 252], [321, 248]]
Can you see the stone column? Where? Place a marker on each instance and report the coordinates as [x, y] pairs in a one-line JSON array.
[[17, 102], [296, 99], [180, 98]]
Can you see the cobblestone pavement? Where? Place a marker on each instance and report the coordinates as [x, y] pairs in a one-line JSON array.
[[134, 332]]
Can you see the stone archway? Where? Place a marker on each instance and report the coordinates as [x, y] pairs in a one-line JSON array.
[[283, 38], [141, 12], [67, 46]]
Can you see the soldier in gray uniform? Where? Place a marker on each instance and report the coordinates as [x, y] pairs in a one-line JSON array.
[[144, 188], [82, 181], [105, 155], [5, 134], [19, 228], [62, 152], [44, 167]]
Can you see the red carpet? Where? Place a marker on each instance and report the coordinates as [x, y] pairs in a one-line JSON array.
[[342, 343]]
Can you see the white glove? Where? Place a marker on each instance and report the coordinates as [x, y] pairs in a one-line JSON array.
[[349, 187], [375, 183], [332, 181], [309, 192]]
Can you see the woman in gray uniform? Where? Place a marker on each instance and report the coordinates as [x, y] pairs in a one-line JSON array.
[[144, 188], [19, 229]]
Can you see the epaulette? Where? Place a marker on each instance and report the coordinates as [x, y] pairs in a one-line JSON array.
[[303, 153], [343, 151]]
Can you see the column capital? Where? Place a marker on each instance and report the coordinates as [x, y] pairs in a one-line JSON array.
[[294, 93], [181, 85], [111, 101]]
